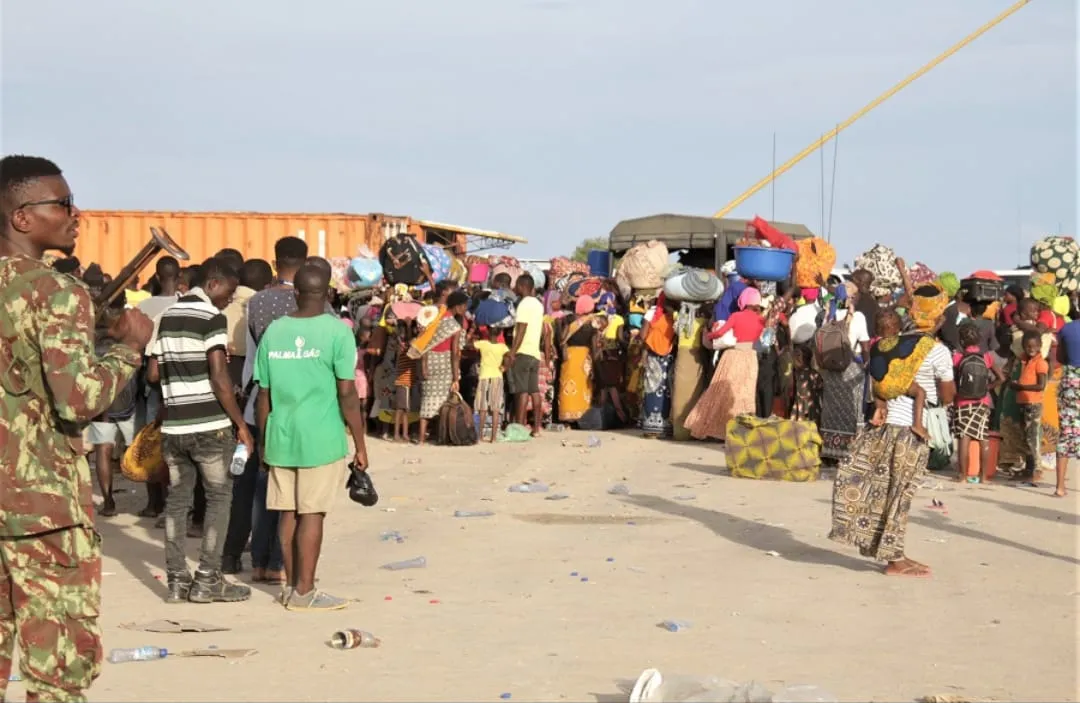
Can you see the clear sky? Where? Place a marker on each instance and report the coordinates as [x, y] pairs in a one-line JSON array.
[[555, 119]]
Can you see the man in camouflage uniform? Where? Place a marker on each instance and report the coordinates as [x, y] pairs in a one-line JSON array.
[[51, 385]]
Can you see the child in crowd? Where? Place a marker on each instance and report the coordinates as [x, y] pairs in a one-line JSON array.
[[1029, 387], [889, 324], [976, 376], [363, 329], [405, 380], [494, 361]]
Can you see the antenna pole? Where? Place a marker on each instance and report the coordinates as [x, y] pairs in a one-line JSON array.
[[786, 166], [774, 175]]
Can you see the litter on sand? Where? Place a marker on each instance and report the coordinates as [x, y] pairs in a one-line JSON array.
[[174, 626], [653, 687], [772, 553]]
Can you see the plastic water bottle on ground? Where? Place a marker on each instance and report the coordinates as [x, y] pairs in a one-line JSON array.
[[473, 513], [594, 441], [139, 654], [529, 487], [353, 639], [416, 563], [392, 536], [619, 489], [675, 625], [239, 460]]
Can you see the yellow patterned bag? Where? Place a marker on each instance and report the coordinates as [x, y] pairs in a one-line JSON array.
[[777, 449], [143, 461]]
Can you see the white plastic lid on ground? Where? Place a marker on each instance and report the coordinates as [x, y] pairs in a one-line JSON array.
[[654, 687]]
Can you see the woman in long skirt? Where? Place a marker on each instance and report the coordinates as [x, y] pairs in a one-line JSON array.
[[877, 481], [1068, 401], [843, 392], [691, 360], [658, 333], [579, 345], [733, 389], [439, 351]]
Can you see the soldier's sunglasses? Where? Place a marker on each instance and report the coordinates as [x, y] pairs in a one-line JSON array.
[[67, 202]]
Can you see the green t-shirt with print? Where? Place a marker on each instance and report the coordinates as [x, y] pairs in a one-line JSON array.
[[301, 359]]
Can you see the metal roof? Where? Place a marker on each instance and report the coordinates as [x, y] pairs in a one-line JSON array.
[[472, 231], [689, 231]]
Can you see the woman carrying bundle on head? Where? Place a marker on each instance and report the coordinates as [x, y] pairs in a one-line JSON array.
[[733, 389], [876, 483]]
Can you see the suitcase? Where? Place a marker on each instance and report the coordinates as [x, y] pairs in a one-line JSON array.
[[982, 290], [777, 449]]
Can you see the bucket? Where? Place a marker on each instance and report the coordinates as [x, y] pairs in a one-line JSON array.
[[764, 264], [973, 457], [478, 273], [599, 262]]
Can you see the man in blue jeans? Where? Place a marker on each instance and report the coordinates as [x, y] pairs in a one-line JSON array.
[[188, 358]]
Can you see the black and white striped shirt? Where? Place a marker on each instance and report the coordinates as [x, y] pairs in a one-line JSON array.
[[187, 332]]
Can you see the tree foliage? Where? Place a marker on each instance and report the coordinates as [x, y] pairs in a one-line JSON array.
[[582, 252]]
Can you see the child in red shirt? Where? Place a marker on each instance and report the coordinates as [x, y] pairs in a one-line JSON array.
[[975, 375]]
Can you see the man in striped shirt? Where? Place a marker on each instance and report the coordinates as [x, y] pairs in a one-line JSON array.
[[198, 440]]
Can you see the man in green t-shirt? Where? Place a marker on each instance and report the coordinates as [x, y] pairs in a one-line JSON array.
[[306, 370]]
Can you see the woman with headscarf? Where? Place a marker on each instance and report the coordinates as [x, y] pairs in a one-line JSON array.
[[691, 360], [733, 389], [439, 349], [578, 343], [1047, 295], [658, 335], [802, 326], [843, 392], [875, 485]]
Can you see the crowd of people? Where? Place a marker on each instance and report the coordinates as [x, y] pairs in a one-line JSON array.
[[254, 375], [898, 376]]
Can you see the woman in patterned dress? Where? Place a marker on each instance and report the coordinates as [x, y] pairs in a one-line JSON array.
[[876, 483], [1068, 444]]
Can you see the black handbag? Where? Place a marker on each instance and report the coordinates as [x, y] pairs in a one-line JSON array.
[[361, 488]]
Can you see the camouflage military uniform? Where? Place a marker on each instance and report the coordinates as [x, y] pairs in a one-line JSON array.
[[51, 385]]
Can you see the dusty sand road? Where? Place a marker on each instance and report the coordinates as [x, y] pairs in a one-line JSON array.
[[997, 620]]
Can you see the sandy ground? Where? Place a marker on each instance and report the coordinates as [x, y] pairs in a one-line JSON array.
[[498, 611]]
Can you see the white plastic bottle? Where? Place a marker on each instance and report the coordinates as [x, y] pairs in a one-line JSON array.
[[239, 460], [139, 654]]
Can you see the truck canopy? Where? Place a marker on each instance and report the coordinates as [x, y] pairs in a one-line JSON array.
[[689, 232]]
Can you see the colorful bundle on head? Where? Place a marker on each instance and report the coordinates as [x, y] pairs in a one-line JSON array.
[[880, 261], [950, 282], [920, 273], [1059, 256], [1045, 294]]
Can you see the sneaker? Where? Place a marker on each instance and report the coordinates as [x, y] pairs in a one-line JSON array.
[[284, 596], [211, 587], [179, 587], [315, 600]]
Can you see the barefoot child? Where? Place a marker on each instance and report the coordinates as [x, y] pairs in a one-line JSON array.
[[489, 392], [405, 380], [976, 376], [889, 325]]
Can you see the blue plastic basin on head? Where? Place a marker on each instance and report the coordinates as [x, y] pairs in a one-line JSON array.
[[763, 263]]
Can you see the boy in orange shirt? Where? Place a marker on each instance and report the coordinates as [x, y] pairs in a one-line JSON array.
[[1029, 387]]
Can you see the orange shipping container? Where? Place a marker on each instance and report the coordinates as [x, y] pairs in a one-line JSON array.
[[111, 238]]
